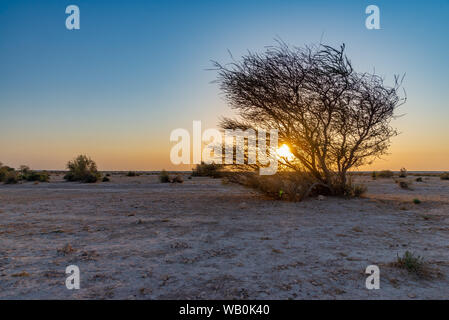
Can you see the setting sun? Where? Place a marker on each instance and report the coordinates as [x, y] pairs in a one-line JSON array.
[[284, 152]]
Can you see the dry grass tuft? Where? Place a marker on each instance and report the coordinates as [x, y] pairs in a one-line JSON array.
[[415, 265]]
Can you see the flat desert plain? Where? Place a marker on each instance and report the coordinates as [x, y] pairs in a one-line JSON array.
[[135, 238]]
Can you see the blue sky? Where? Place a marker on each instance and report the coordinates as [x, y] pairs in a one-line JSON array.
[[138, 69]]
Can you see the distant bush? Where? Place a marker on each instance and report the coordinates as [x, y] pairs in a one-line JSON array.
[[444, 176], [164, 177], [419, 179], [36, 176], [374, 175], [24, 169], [8, 175], [106, 179], [208, 170], [4, 172], [403, 173], [416, 201], [82, 169], [131, 174], [11, 177], [385, 174]]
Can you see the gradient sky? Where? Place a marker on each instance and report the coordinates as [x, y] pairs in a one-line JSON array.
[[136, 70]]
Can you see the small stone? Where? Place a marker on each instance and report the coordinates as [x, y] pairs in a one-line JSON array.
[[243, 205]]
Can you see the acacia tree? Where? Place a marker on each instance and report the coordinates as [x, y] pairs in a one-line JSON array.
[[332, 117]]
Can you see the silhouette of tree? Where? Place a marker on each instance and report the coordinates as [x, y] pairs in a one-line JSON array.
[[332, 117]]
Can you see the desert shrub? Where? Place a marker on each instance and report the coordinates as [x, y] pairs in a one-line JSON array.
[[208, 170], [164, 177], [291, 186], [419, 179], [374, 175], [385, 174], [357, 190], [8, 175], [131, 174], [106, 179], [412, 263], [82, 169], [108, 174], [24, 169], [11, 177], [36, 176], [273, 186], [403, 173], [4, 172], [416, 201], [444, 176]]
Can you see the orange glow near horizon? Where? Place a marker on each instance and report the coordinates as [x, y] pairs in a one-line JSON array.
[[154, 156], [135, 145]]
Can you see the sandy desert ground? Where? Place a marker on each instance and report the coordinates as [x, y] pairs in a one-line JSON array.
[[135, 238]]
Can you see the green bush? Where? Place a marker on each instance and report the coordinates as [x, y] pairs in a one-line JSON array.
[[82, 169], [4, 172], [416, 201], [164, 177], [11, 177], [412, 263], [36, 176]]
